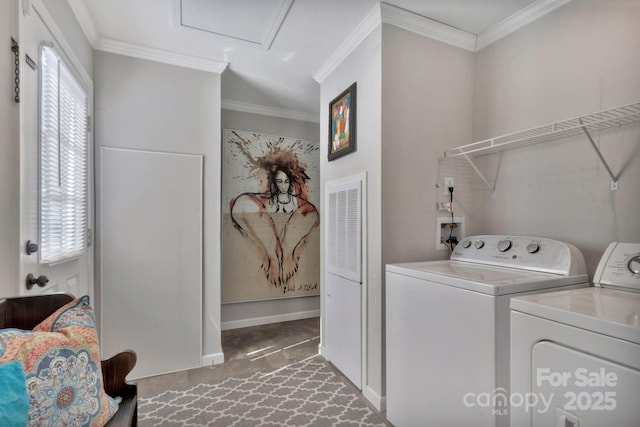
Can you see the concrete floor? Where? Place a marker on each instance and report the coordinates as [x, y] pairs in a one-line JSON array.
[[246, 350]]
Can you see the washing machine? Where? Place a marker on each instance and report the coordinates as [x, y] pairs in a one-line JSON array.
[[575, 355], [447, 326]]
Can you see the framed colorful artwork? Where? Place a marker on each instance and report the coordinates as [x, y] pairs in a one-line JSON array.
[[342, 124]]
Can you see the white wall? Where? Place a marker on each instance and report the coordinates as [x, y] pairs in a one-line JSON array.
[[9, 157], [259, 312], [364, 67], [151, 106], [580, 59]]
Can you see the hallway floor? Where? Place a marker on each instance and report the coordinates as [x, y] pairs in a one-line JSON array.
[[246, 351]]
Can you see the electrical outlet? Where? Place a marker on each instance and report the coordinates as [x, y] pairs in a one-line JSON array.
[[444, 206], [444, 231], [448, 182]]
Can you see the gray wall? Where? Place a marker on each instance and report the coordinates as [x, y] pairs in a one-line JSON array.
[[414, 99], [582, 58], [66, 21], [243, 314], [577, 60], [9, 157], [270, 125], [151, 106], [364, 67], [427, 89], [427, 102]]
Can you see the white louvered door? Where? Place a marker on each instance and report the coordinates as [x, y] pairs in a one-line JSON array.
[[343, 243]]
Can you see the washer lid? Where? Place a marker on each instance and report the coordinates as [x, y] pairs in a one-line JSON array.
[[606, 311], [482, 278]]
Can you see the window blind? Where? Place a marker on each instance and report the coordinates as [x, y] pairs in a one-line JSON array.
[[63, 161]]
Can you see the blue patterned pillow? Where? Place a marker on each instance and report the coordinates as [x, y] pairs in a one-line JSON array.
[[77, 314], [61, 362], [14, 404], [63, 378]]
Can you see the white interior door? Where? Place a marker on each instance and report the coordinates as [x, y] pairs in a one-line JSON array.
[[151, 258], [343, 278], [75, 275]]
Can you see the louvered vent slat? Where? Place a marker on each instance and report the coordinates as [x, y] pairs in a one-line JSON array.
[[344, 229]]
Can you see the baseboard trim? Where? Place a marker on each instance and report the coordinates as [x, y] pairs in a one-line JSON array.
[[265, 320], [378, 402], [212, 359], [323, 351]]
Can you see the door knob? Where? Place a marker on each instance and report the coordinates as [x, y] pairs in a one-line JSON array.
[[41, 281], [31, 247]]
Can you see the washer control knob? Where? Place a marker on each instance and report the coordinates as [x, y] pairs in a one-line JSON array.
[[634, 264], [466, 244], [504, 245], [478, 244], [533, 247]]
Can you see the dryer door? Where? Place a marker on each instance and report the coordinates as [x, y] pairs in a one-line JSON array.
[[578, 389]]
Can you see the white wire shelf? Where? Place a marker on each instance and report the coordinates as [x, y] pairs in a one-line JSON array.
[[614, 117], [554, 131]]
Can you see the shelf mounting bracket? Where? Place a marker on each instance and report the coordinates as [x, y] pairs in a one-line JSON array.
[[492, 188], [614, 178]]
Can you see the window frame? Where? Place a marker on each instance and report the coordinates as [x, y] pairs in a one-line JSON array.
[[49, 254]]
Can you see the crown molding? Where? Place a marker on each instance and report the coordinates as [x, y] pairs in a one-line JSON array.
[[82, 14], [381, 13], [385, 13], [79, 9], [518, 20], [427, 27], [158, 55], [283, 10], [388, 14], [364, 28], [228, 104]]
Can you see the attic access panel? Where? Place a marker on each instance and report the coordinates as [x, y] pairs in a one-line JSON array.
[[255, 22]]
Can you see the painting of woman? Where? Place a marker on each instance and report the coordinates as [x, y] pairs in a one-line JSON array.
[[282, 250], [278, 221]]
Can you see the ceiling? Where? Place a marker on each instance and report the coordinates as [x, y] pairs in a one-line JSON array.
[[270, 50]]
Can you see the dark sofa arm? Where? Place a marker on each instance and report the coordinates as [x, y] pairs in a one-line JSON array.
[[26, 312], [114, 373]]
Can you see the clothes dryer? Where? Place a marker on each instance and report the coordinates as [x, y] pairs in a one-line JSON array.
[[447, 326], [575, 355]]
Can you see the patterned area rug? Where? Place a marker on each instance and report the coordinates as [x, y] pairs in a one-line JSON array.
[[307, 393]]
